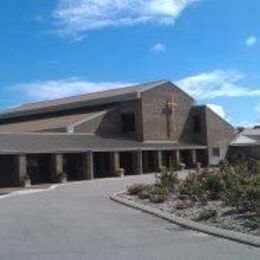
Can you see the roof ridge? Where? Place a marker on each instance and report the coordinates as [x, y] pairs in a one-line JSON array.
[[87, 94]]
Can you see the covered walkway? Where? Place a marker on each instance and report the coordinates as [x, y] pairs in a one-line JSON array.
[[44, 156]]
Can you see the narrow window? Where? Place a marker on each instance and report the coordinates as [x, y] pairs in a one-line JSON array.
[[128, 122], [216, 152], [196, 124]]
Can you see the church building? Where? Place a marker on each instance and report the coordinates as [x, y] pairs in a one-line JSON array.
[[137, 128]]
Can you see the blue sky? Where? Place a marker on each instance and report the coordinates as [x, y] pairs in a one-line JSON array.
[[57, 48]]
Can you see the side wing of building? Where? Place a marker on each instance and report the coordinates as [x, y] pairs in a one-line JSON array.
[[219, 135], [205, 127]]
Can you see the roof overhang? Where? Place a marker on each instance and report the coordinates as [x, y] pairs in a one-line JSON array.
[[77, 105], [43, 143]]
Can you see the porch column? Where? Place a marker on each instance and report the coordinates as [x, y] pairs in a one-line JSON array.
[[114, 162], [193, 157], [56, 165], [138, 161], [157, 160], [178, 156], [88, 166], [20, 169]]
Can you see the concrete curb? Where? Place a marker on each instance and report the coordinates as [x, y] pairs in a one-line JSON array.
[[231, 235]]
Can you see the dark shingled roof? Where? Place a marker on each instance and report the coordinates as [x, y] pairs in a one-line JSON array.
[[97, 98], [50, 123], [26, 143]]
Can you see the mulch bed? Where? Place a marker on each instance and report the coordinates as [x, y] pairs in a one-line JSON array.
[[214, 213]]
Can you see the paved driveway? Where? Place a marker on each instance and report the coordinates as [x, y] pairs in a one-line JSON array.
[[78, 221]]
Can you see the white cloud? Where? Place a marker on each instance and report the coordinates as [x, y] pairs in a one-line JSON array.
[[52, 89], [74, 17], [251, 41], [158, 48], [207, 85], [219, 110], [218, 83]]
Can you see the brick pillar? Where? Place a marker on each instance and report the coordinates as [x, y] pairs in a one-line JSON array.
[[88, 166], [193, 157], [138, 162], [20, 168], [56, 166], [114, 163], [157, 160]]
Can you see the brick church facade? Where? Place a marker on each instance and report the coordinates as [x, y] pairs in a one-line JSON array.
[[138, 128]]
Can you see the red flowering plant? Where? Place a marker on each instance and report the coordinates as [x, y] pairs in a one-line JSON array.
[[202, 185]]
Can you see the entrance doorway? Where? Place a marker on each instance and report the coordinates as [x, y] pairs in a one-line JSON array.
[[73, 166], [127, 162], [102, 167], [39, 168]]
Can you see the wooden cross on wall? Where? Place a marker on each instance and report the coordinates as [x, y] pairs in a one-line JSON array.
[[169, 110]]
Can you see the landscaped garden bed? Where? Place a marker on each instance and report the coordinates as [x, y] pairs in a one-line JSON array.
[[227, 197]]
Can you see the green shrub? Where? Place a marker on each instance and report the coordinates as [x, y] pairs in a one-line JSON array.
[[145, 192], [207, 214], [167, 179], [177, 166], [202, 186], [215, 186], [242, 184], [237, 185], [244, 193], [141, 190], [135, 189], [158, 194], [166, 182], [253, 167], [255, 221]]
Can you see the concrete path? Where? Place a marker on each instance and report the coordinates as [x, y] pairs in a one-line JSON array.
[[78, 221]]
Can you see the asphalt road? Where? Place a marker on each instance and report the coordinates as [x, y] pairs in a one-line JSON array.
[[78, 221]]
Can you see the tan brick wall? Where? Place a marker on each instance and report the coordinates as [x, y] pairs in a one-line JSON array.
[[155, 121], [188, 135], [109, 124], [219, 135]]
